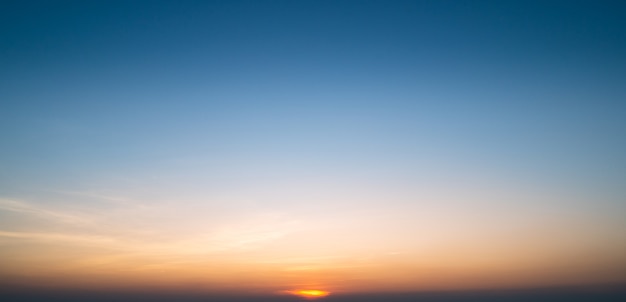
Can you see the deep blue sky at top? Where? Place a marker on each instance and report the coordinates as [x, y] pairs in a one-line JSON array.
[[92, 88]]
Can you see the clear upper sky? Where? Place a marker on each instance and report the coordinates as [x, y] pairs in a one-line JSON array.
[[344, 145]]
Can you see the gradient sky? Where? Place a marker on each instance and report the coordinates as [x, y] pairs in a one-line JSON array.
[[350, 146]]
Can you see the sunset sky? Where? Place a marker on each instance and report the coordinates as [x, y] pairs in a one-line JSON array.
[[265, 147]]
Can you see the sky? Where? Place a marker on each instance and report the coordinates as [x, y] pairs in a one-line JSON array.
[[265, 147]]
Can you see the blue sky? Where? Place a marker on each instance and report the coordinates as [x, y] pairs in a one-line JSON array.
[[368, 113]]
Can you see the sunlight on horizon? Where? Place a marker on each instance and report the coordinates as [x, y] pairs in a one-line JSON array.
[[310, 294]]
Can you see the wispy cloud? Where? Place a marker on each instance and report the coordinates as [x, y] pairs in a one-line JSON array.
[[151, 237], [61, 237], [44, 213], [113, 199]]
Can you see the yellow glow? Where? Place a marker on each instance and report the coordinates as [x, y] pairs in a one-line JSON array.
[[310, 253], [310, 293]]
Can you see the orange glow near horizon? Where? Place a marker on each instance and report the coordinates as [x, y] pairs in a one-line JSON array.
[[309, 254], [310, 293]]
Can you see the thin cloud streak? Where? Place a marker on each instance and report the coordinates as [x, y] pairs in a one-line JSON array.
[[247, 235], [40, 212]]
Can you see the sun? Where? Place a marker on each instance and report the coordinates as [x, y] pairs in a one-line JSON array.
[[310, 293]]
